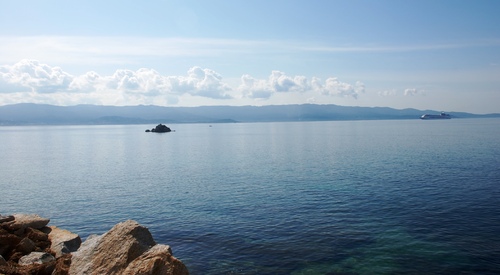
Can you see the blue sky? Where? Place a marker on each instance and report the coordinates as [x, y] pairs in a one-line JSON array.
[[440, 55]]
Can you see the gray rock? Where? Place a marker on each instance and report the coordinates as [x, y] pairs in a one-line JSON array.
[[36, 258], [21, 221], [62, 241]]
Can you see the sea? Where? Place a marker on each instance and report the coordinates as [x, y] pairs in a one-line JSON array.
[[329, 197]]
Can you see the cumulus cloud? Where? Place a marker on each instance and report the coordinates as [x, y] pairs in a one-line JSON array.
[[203, 82], [283, 83], [144, 81], [41, 83], [30, 75], [86, 82], [37, 78], [332, 86], [255, 88], [279, 82]]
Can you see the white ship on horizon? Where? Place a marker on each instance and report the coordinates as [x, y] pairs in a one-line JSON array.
[[443, 115]]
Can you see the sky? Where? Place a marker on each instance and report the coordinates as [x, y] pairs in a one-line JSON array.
[[426, 54]]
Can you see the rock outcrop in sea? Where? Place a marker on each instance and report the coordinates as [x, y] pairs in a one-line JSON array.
[[160, 128], [29, 246]]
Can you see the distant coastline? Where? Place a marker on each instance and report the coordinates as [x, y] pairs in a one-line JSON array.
[[42, 114]]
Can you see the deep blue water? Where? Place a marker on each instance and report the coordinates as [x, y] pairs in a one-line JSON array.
[[348, 197]]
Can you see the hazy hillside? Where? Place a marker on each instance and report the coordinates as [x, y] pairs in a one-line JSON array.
[[40, 114]]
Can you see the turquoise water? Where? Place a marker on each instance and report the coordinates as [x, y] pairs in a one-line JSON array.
[[348, 197]]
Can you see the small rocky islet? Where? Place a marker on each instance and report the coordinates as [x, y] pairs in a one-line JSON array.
[[160, 128], [29, 246]]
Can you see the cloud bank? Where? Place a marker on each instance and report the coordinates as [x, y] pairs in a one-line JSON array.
[[33, 81]]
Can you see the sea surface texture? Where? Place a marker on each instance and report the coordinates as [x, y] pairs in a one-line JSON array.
[[341, 197]]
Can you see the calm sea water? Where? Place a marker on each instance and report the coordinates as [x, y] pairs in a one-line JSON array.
[[349, 197]]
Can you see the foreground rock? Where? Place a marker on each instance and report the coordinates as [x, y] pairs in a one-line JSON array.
[[62, 241], [23, 221], [37, 258], [29, 246], [128, 248], [25, 248], [6, 218]]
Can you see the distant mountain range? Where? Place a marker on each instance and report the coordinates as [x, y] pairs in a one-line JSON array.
[[41, 114]]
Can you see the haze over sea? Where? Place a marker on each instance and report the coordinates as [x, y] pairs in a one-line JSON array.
[[339, 197]]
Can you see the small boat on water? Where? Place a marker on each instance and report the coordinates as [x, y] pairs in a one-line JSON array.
[[443, 115]]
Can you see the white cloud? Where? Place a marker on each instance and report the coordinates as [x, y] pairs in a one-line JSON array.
[[33, 76], [279, 82], [311, 100], [387, 93], [32, 81], [207, 83], [332, 86], [198, 82], [413, 92], [405, 92], [255, 88], [144, 81], [86, 82]]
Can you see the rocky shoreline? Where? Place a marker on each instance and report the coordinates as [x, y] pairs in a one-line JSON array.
[[29, 246]]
